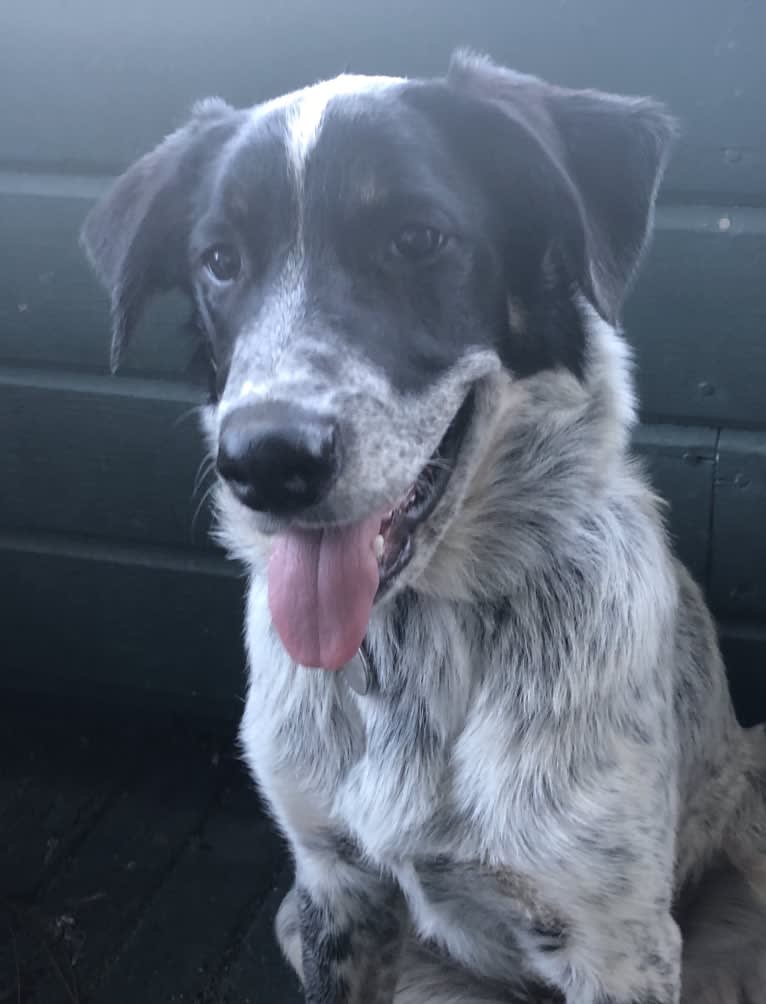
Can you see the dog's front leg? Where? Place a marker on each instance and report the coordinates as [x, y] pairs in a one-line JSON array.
[[645, 969], [615, 889], [622, 947], [614, 959], [342, 926]]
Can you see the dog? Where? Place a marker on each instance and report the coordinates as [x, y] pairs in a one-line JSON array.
[[486, 705]]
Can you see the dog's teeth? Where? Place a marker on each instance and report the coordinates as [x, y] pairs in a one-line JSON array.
[[380, 546]]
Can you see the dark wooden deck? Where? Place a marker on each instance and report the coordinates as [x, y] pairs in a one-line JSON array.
[[136, 866]]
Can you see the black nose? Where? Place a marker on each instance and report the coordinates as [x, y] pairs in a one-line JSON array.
[[278, 457]]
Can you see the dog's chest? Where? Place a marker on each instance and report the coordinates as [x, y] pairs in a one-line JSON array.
[[398, 772], [418, 767], [376, 767]]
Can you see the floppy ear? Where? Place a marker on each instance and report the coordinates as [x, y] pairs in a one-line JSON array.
[[136, 236], [611, 149]]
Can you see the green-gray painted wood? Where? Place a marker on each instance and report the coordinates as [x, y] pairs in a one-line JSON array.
[[697, 317], [95, 84], [744, 650], [94, 458], [738, 583], [83, 620], [52, 310], [681, 463]]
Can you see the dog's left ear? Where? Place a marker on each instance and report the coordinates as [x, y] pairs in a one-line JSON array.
[[613, 149], [136, 236]]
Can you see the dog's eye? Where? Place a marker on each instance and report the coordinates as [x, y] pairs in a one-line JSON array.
[[416, 243], [223, 262]]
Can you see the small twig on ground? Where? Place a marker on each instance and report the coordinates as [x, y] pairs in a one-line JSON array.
[[16, 963], [71, 992]]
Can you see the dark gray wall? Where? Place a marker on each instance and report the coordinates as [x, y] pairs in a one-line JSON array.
[[108, 583]]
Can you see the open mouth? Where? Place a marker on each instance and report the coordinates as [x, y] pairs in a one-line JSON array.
[[394, 543], [323, 582]]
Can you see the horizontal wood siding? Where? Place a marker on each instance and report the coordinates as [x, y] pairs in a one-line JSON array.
[[109, 579]]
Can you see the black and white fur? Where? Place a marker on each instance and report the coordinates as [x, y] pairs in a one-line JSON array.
[[547, 795]]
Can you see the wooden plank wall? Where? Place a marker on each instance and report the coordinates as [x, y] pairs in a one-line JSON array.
[[108, 579]]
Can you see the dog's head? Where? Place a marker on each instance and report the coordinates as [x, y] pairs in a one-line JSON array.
[[373, 264]]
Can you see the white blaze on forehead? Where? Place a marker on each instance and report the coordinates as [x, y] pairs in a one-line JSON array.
[[305, 118], [306, 108]]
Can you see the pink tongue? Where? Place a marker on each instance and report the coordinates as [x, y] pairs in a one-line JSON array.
[[322, 584]]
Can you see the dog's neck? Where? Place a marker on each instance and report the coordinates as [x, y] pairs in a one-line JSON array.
[[556, 452]]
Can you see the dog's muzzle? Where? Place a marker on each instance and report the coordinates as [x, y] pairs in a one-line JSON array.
[[323, 579]]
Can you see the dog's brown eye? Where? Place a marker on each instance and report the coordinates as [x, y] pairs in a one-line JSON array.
[[416, 243], [223, 262]]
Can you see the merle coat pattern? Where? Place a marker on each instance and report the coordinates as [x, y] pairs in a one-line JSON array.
[[545, 794]]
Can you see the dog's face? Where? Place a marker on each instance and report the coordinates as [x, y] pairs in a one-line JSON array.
[[369, 259]]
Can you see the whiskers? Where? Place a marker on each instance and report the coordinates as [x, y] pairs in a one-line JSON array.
[[205, 469], [205, 473], [194, 412]]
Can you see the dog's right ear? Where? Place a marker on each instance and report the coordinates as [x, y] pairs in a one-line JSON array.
[[136, 236]]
